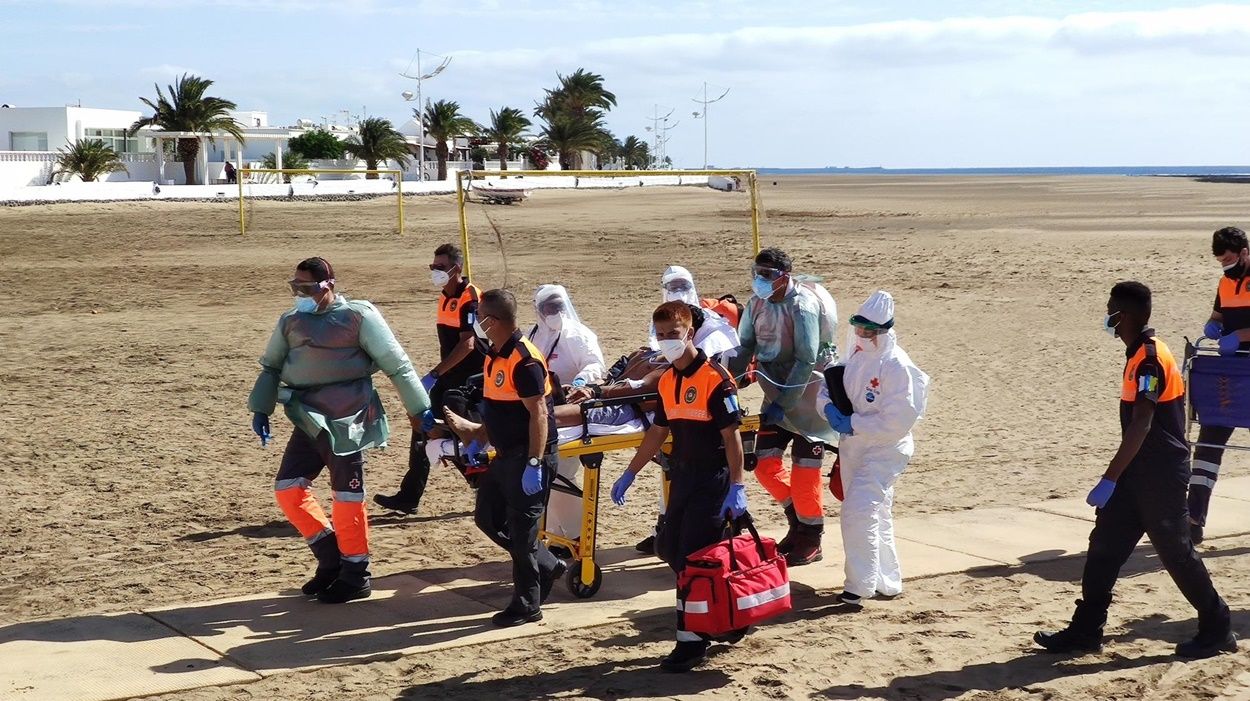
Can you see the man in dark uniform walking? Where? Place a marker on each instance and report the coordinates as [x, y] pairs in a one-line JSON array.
[[1143, 492]]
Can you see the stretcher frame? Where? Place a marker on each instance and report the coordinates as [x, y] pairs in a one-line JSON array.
[[1194, 350], [585, 576]]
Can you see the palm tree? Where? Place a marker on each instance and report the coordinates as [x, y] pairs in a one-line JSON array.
[[506, 127], [609, 148], [88, 160], [377, 141], [579, 93], [292, 160], [568, 135], [578, 103], [188, 109], [443, 122], [636, 153]]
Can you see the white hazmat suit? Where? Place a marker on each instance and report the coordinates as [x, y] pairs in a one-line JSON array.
[[888, 393], [573, 354]]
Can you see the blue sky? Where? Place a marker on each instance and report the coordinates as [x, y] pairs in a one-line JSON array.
[[921, 83]]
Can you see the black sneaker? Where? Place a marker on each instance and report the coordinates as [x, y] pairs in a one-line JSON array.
[[1068, 641], [685, 656], [549, 582], [646, 546], [508, 618], [394, 503], [340, 592], [321, 580], [1195, 533], [846, 598], [1202, 647]]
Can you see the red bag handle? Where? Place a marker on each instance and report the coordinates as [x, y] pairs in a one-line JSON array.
[[746, 520]]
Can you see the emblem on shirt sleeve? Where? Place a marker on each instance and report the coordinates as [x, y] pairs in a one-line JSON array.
[[731, 404], [691, 395], [1147, 384]]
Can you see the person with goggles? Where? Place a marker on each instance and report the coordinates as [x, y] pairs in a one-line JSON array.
[[459, 359], [575, 359], [1230, 326], [319, 365], [781, 329]]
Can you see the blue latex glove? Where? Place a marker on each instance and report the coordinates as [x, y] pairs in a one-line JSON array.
[[579, 382], [620, 486], [838, 421], [735, 501], [427, 421], [771, 415], [532, 480], [1229, 344], [260, 425], [1101, 494], [471, 452], [1213, 330], [428, 381]]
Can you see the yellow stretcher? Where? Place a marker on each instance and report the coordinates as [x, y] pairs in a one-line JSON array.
[[585, 576]]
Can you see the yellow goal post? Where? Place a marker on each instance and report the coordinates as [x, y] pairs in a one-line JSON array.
[[470, 175], [397, 177]]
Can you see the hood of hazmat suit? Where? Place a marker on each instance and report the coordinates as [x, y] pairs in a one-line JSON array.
[[675, 273], [570, 347], [320, 365], [784, 336]]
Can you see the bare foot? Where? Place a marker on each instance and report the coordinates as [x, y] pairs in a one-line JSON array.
[[464, 428]]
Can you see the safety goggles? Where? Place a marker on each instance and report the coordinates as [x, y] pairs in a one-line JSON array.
[[863, 323], [551, 308], [678, 285], [769, 274], [304, 288]]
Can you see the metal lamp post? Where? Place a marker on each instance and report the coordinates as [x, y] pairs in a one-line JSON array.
[[408, 97], [697, 115]]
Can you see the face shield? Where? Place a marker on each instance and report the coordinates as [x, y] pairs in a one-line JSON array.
[[677, 285], [554, 308]]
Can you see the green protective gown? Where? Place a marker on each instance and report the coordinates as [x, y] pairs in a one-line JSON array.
[[320, 365], [784, 337]]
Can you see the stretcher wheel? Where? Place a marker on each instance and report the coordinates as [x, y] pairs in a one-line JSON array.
[[580, 589]]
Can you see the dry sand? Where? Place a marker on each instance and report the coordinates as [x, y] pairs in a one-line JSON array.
[[132, 477]]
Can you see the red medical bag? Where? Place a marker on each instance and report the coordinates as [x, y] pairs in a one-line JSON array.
[[733, 584]]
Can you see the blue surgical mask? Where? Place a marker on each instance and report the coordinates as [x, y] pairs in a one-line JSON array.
[[761, 287], [306, 305], [1110, 327]]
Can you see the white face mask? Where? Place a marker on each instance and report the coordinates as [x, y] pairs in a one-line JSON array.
[[672, 348], [1110, 327], [553, 322], [479, 331], [305, 305], [440, 278]]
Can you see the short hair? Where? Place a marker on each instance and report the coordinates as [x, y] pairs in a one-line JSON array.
[[319, 268], [500, 304], [1228, 239], [677, 312], [1133, 297], [774, 258], [453, 253]]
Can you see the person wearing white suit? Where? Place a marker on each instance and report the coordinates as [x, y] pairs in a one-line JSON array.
[[887, 393]]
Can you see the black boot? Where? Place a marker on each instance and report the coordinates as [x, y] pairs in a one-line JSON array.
[[805, 548], [787, 541], [326, 550], [685, 656], [1083, 634], [412, 486], [352, 583], [1215, 635]]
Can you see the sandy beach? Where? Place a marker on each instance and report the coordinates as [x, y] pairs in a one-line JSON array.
[[130, 342]]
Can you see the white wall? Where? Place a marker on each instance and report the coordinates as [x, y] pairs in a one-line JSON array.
[[63, 125]]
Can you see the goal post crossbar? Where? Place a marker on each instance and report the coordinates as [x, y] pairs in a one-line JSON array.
[[469, 175], [398, 179]]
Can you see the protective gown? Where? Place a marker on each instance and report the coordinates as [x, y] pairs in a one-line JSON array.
[[570, 347], [320, 366], [888, 393], [784, 337], [572, 351]]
